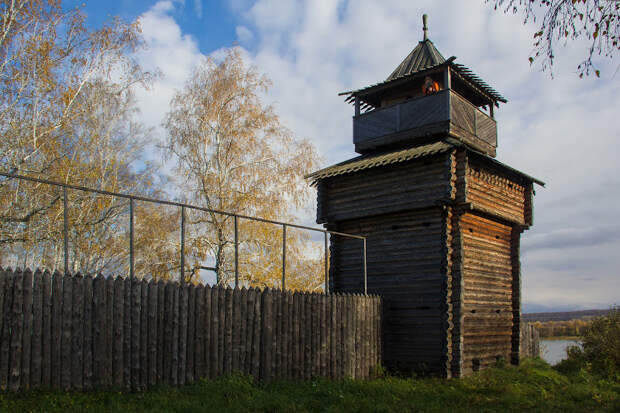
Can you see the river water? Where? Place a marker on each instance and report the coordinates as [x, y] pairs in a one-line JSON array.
[[553, 351]]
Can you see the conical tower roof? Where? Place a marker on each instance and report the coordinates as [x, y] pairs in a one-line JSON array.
[[423, 56]]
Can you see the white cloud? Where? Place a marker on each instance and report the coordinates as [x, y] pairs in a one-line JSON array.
[[561, 130], [171, 53], [244, 34]]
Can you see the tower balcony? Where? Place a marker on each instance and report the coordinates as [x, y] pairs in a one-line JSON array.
[[417, 120]]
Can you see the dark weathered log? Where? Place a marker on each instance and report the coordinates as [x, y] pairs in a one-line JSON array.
[[118, 359], [127, 332], [182, 351], [236, 328], [249, 330], [190, 369], [174, 351], [199, 321], [228, 341], [144, 319], [109, 333], [56, 329], [152, 332], [65, 343], [46, 341], [26, 329], [222, 349], [208, 333], [241, 326], [162, 332], [267, 336], [7, 305], [215, 333], [257, 333], [88, 332], [99, 330]]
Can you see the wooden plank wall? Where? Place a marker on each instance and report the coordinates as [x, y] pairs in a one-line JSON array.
[[487, 305], [494, 192], [405, 258], [84, 332], [393, 188]]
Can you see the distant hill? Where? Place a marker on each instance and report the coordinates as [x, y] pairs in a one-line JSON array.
[[562, 315]]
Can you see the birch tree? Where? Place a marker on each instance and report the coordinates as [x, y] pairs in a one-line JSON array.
[[233, 154], [67, 114], [596, 21]]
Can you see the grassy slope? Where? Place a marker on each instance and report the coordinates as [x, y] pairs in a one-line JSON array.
[[533, 386]]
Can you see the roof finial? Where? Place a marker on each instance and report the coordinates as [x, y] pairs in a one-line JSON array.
[[425, 27]]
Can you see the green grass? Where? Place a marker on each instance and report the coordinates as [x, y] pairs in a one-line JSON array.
[[533, 386]]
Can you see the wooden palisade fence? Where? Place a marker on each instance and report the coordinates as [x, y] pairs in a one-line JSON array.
[[77, 332]]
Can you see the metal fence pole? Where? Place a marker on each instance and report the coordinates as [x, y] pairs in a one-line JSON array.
[[236, 252], [326, 264], [131, 255], [182, 244], [65, 229], [365, 271], [283, 256]]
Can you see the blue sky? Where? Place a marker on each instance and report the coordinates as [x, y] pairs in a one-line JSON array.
[[211, 23], [562, 130]]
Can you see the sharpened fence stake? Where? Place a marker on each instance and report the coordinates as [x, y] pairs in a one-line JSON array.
[[326, 264], [236, 252], [65, 229], [182, 244], [131, 256], [283, 256]]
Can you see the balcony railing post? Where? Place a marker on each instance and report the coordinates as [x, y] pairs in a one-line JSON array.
[[236, 252], [283, 256], [131, 254], [182, 244], [65, 228]]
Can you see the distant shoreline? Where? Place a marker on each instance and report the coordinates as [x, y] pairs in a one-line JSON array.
[[558, 338], [563, 315]]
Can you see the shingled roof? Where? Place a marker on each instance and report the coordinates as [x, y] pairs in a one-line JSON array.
[[370, 161], [425, 55]]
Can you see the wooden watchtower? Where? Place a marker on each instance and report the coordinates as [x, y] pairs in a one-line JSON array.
[[442, 217]]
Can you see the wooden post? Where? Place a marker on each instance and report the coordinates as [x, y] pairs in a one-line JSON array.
[[56, 329], [242, 327], [256, 336], [236, 329], [134, 358], [8, 280], [162, 333], [182, 351], [118, 320], [109, 331], [207, 327], [46, 344], [88, 333], [249, 323], [190, 369], [447, 79], [174, 351], [65, 343], [26, 332], [37, 328], [127, 333], [152, 330], [144, 331], [215, 333]]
